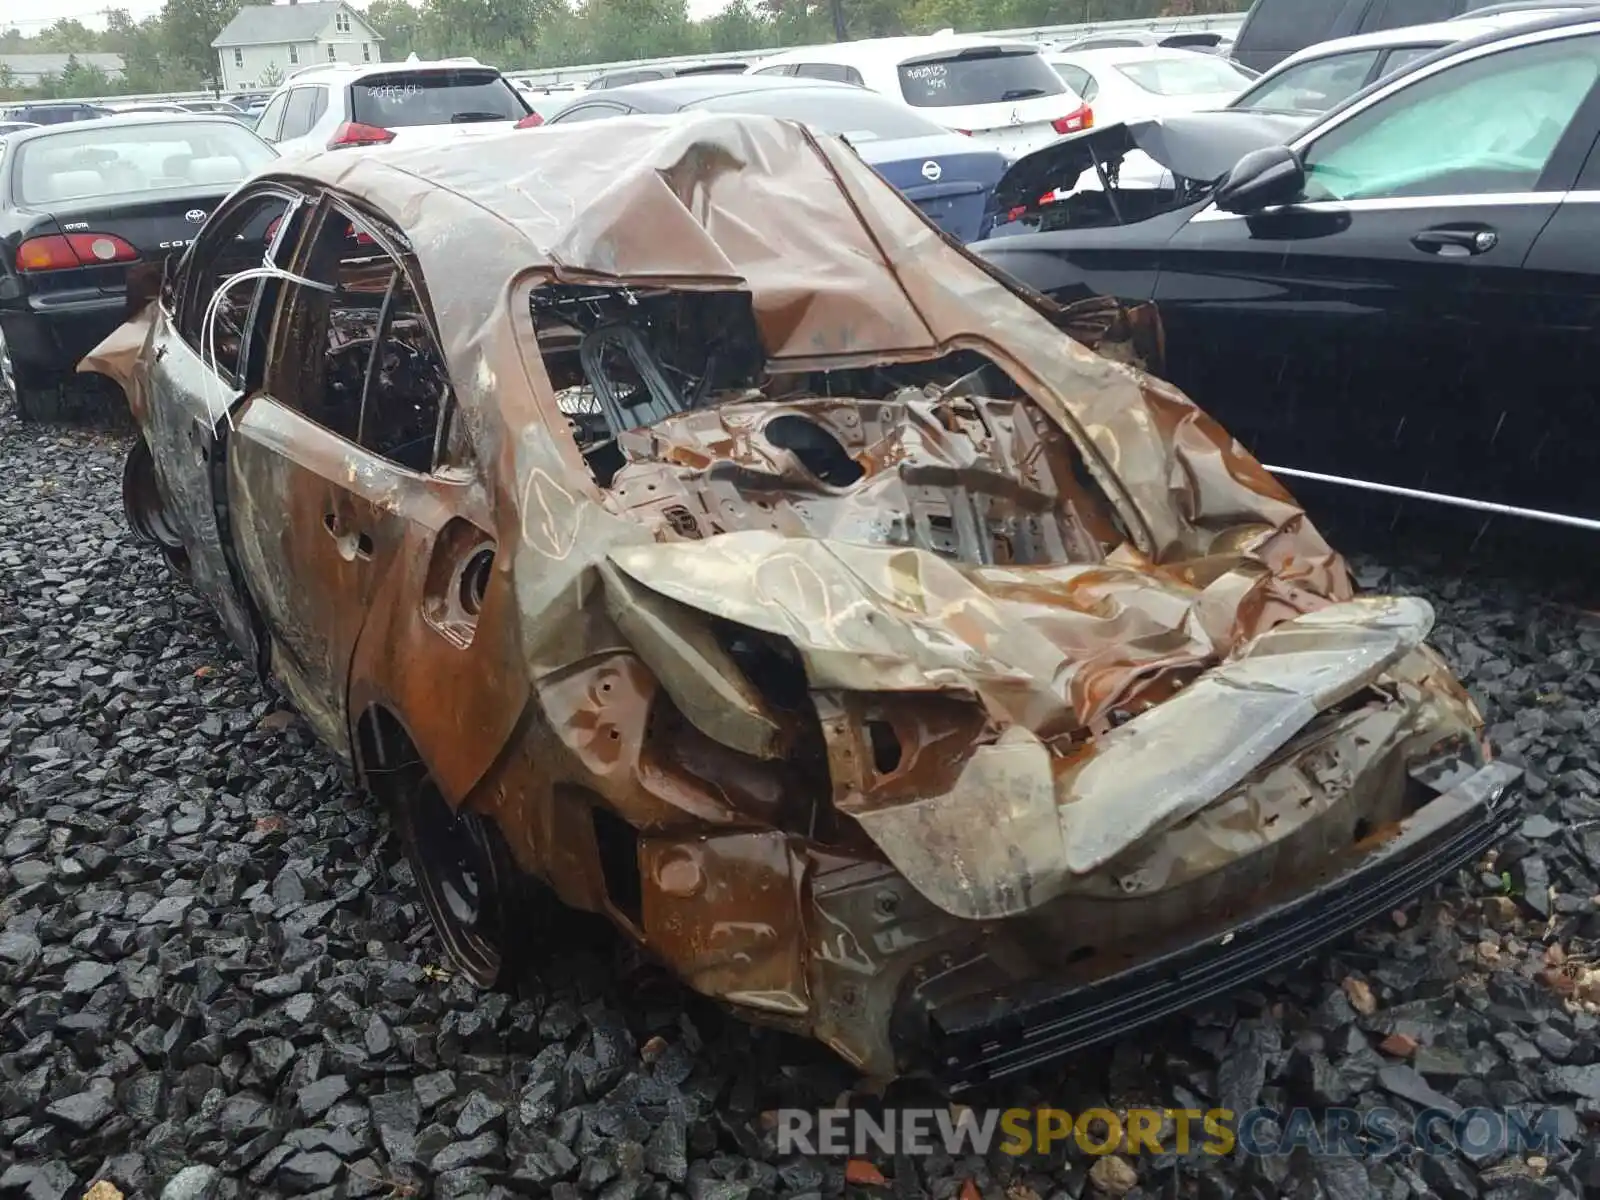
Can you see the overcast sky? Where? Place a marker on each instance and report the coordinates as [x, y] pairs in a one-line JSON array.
[[30, 16]]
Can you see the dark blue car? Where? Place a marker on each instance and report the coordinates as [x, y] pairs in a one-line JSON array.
[[942, 173]]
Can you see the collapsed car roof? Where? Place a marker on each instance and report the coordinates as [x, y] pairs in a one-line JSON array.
[[689, 203]]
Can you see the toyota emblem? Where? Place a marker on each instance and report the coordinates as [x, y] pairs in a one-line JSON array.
[[1016, 117], [931, 171], [195, 215]]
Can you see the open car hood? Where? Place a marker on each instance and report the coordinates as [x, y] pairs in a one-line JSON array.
[[1198, 146]]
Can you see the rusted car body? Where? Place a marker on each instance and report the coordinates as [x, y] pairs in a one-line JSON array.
[[697, 532]]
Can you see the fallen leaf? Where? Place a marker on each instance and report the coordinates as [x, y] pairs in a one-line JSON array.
[[859, 1171], [271, 823], [1112, 1176], [1399, 918], [1018, 1190], [1587, 985], [1360, 994], [1554, 955], [653, 1049], [104, 1190], [1559, 981], [1399, 1045], [280, 719], [969, 1191], [204, 672]]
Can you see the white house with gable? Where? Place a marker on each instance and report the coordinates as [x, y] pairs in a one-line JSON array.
[[265, 43]]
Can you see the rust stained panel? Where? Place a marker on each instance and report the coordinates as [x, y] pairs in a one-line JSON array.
[[726, 910], [313, 534]]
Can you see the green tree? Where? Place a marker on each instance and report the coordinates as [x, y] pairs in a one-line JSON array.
[[737, 27], [188, 27], [399, 24]]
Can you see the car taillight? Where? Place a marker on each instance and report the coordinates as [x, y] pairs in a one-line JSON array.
[[272, 230], [1078, 119], [361, 238], [964, 132], [354, 133], [531, 121], [56, 252]]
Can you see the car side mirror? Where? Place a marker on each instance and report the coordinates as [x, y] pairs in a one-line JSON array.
[[1262, 178]]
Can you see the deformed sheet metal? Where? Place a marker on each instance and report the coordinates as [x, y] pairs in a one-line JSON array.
[[875, 673]]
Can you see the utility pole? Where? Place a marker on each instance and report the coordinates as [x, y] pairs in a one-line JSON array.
[[837, 8]]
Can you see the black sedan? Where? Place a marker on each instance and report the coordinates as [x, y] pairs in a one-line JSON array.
[[947, 176], [1402, 298], [79, 204]]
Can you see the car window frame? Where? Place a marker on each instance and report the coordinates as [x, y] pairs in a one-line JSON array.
[[778, 69], [282, 98], [1566, 157], [1273, 80], [1086, 89], [180, 311], [334, 208], [615, 110], [842, 72], [311, 122]]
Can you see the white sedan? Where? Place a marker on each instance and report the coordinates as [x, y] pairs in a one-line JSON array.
[[1127, 83]]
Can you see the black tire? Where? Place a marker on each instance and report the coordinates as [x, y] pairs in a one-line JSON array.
[[146, 512], [477, 898]]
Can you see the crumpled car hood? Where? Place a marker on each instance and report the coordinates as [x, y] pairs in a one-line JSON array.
[[1046, 651], [1200, 146]]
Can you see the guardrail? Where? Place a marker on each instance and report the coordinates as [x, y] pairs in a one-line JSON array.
[[1225, 23]]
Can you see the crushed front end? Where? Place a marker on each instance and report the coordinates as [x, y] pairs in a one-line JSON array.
[[915, 750]]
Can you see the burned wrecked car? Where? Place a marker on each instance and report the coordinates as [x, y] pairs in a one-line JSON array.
[[773, 579]]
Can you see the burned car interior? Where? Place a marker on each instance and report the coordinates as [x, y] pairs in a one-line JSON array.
[[864, 637], [658, 388]]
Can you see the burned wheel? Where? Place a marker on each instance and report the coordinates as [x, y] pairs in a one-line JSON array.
[[473, 891], [146, 511]]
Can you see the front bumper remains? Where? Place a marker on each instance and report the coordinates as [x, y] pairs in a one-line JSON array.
[[977, 1040]]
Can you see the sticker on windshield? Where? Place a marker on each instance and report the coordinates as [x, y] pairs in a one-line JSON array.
[[932, 76], [394, 93]]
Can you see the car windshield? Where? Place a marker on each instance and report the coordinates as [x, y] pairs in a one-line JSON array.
[[980, 75], [858, 115], [122, 160], [399, 99], [1186, 75]]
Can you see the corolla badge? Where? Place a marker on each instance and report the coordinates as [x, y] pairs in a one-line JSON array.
[[195, 215], [1016, 117], [931, 171]]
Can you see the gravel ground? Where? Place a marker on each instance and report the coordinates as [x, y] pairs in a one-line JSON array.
[[216, 980]]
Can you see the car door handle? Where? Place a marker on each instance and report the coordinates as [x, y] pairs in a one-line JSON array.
[[359, 542], [1455, 241]]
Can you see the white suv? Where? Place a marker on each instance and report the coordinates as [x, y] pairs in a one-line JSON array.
[[1002, 94], [371, 104]]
